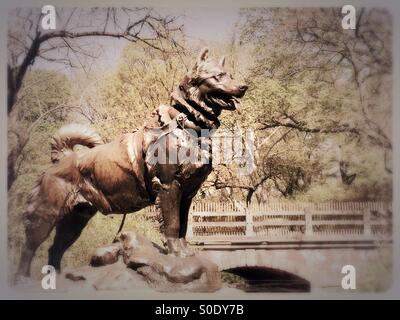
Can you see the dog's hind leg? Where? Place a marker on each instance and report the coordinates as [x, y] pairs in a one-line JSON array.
[[68, 231], [40, 219]]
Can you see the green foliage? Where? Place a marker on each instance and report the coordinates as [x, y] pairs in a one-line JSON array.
[[143, 79], [42, 91]]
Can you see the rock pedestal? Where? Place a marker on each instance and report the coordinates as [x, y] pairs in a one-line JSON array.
[[133, 260]]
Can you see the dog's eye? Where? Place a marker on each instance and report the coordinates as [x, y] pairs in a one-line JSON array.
[[219, 76]]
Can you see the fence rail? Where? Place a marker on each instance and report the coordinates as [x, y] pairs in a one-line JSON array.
[[281, 221], [331, 221]]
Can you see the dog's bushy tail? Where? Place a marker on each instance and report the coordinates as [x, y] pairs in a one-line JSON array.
[[63, 142]]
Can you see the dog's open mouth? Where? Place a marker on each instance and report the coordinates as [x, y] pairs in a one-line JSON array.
[[224, 101]]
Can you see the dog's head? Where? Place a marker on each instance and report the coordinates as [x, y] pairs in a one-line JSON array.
[[211, 87]]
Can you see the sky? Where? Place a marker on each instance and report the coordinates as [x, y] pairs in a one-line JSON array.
[[206, 24]]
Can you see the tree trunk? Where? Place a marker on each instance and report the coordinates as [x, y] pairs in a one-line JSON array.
[[249, 196], [16, 76], [11, 160]]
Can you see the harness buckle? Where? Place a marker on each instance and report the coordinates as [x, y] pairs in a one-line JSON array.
[[180, 119]]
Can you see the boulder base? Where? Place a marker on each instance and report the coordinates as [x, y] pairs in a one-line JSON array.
[[134, 261]]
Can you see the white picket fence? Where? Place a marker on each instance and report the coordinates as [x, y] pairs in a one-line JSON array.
[[290, 221], [286, 221]]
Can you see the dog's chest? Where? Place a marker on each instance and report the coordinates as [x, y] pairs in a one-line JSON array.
[[180, 155], [194, 158]]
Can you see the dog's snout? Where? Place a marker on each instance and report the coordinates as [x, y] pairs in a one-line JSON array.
[[243, 88]]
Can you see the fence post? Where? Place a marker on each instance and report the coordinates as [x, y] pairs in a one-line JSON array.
[[367, 221], [308, 221], [189, 232], [249, 223]]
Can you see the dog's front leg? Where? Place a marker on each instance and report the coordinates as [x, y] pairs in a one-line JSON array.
[[169, 197]]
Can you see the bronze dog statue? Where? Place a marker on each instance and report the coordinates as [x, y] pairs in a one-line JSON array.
[[119, 177]]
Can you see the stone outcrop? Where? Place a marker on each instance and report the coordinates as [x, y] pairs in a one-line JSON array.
[[132, 260]]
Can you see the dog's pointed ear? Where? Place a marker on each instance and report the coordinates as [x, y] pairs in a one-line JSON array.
[[203, 55], [222, 61]]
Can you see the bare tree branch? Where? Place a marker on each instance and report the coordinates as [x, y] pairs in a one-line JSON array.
[[146, 29]]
